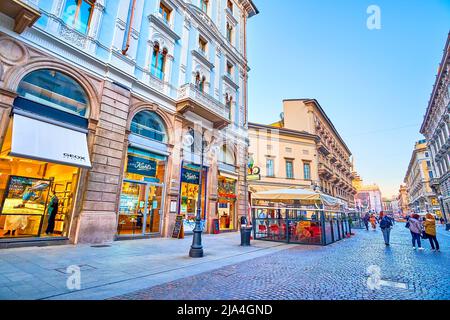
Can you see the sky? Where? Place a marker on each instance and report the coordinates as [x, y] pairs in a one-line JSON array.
[[374, 85]]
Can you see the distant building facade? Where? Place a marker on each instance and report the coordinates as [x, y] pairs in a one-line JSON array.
[[417, 179], [436, 129], [402, 199], [284, 158], [303, 149], [367, 197]]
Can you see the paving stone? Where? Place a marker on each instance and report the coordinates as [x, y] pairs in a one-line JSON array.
[[338, 271]]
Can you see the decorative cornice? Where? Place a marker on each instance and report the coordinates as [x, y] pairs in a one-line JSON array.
[[210, 29], [230, 17], [249, 7], [202, 59], [443, 70], [163, 26], [230, 81]]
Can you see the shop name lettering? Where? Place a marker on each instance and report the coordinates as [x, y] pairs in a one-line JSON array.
[[226, 310], [141, 166], [190, 176], [74, 157]]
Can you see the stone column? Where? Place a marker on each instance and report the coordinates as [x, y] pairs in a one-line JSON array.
[[6, 101], [98, 217], [173, 180], [241, 187], [211, 194]]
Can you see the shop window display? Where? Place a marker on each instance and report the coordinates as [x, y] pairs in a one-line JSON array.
[[227, 203], [36, 198], [190, 179], [141, 198]]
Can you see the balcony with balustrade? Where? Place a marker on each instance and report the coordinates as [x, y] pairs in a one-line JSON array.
[[192, 99], [25, 13]]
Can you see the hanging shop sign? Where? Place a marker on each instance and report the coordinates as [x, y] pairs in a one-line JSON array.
[[141, 166], [254, 173], [190, 176]]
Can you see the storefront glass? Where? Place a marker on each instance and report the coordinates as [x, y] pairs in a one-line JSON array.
[[141, 200], [190, 179], [37, 198], [227, 203]]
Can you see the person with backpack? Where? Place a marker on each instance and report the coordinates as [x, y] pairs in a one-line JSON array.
[[430, 230], [416, 228], [385, 226]]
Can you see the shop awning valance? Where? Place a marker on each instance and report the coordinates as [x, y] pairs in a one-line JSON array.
[[44, 141], [297, 194]]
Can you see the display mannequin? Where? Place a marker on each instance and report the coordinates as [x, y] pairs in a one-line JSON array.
[[52, 211]]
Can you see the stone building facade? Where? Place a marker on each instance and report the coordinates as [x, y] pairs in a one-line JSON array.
[[122, 100], [403, 200], [436, 129], [285, 158], [304, 136], [417, 179]]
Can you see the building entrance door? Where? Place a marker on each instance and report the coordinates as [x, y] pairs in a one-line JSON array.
[[140, 208]]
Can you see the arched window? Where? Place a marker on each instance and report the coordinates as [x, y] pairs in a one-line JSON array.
[[200, 82], [54, 89], [229, 33], [158, 61], [229, 103], [148, 124]]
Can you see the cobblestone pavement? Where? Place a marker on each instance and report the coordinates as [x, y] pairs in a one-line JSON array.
[[338, 271]]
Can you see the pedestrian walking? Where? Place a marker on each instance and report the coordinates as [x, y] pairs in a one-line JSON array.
[[366, 219], [416, 228], [385, 226], [373, 222], [430, 231]]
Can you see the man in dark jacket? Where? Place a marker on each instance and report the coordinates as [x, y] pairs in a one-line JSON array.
[[385, 226], [366, 219]]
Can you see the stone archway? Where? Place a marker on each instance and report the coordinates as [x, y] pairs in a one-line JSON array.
[[14, 76]]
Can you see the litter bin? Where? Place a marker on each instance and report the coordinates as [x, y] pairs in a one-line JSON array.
[[246, 232]]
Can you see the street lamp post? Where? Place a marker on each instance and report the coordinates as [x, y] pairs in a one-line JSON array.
[[196, 250]]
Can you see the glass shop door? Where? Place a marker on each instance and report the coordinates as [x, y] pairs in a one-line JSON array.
[[154, 208], [132, 208]]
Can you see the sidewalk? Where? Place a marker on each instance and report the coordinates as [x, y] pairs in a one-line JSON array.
[[122, 267]]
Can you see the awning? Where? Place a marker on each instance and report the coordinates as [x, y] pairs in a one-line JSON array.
[[225, 174], [297, 194], [43, 141]]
